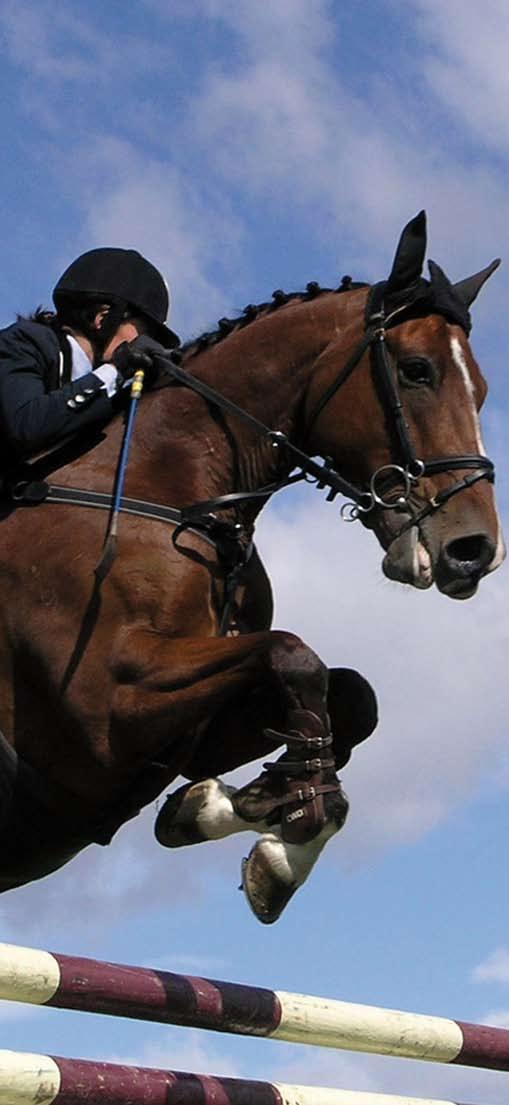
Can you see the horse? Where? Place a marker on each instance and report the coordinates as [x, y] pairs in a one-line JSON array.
[[125, 666]]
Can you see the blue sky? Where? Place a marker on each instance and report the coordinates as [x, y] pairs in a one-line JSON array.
[[242, 148]]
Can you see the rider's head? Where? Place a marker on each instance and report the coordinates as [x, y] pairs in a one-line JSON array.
[[111, 295]]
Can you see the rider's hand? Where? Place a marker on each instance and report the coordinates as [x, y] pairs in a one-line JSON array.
[[143, 352]]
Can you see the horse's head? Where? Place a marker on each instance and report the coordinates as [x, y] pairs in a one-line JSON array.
[[396, 407]]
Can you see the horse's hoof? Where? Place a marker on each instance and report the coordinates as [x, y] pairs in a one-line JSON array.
[[275, 868], [267, 879], [194, 813]]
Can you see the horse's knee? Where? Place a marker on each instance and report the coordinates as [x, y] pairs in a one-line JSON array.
[[291, 656], [295, 665], [353, 711]]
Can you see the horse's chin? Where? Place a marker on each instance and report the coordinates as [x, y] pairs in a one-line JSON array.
[[407, 560], [458, 589]]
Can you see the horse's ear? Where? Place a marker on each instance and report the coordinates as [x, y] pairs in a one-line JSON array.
[[409, 259], [439, 280], [468, 289]]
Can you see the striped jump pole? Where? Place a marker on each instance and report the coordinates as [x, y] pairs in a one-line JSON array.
[[68, 982], [45, 1080]]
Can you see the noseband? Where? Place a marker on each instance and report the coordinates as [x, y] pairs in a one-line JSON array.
[[391, 486]]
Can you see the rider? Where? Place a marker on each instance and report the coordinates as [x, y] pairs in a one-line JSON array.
[[61, 371]]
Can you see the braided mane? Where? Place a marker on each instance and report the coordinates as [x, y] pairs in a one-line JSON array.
[[253, 311]]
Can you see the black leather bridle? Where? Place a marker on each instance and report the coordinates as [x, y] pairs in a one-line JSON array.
[[385, 481]]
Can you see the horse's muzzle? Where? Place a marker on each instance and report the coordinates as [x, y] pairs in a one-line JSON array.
[[462, 563], [456, 566], [407, 560]]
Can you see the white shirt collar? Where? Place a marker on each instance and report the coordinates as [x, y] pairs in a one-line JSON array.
[[80, 364]]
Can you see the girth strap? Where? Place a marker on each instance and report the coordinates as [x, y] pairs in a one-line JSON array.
[[81, 497]]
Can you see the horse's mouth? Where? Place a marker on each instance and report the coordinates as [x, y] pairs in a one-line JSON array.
[[408, 560]]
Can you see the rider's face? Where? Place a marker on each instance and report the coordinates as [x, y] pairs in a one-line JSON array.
[[127, 331]]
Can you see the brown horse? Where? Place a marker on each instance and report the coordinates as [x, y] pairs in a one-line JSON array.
[[163, 663]]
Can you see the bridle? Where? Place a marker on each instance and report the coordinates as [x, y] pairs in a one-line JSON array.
[[391, 486]]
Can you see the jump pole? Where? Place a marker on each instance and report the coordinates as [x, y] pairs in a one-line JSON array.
[[90, 985], [27, 1079]]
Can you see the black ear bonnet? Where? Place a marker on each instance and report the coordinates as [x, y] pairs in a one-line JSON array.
[[406, 294]]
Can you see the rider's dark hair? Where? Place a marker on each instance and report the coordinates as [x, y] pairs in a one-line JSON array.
[[42, 315], [75, 313], [78, 313]]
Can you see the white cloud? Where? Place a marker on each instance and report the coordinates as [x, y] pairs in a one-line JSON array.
[[152, 207], [466, 64], [493, 969], [277, 119], [497, 1018], [58, 46], [384, 1074], [284, 127], [136, 201], [442, 711], [287, 28], [192, 1050]]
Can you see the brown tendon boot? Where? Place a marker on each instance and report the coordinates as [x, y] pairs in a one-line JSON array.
[[299, 796]]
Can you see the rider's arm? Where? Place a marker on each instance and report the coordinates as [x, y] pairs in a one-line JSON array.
[[32, 417]]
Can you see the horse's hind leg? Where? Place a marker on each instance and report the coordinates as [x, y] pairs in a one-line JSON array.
[[236, 735], [204, 809], [299, 799], [35, 839], [282, 859]]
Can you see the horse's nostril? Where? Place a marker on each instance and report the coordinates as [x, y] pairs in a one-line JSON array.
[[477, 549]]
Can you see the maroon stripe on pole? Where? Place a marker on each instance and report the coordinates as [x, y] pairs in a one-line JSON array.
[[88, 1083], [484, 1046], [150, 995]]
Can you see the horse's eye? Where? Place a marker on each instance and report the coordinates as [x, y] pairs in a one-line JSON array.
[[416, 372]]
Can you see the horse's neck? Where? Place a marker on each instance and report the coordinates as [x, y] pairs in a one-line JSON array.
[[264, 368]]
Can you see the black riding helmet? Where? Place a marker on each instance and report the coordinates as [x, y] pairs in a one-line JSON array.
[[125, 279]]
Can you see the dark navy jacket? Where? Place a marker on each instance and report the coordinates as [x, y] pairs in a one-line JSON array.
[[37, 406]]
